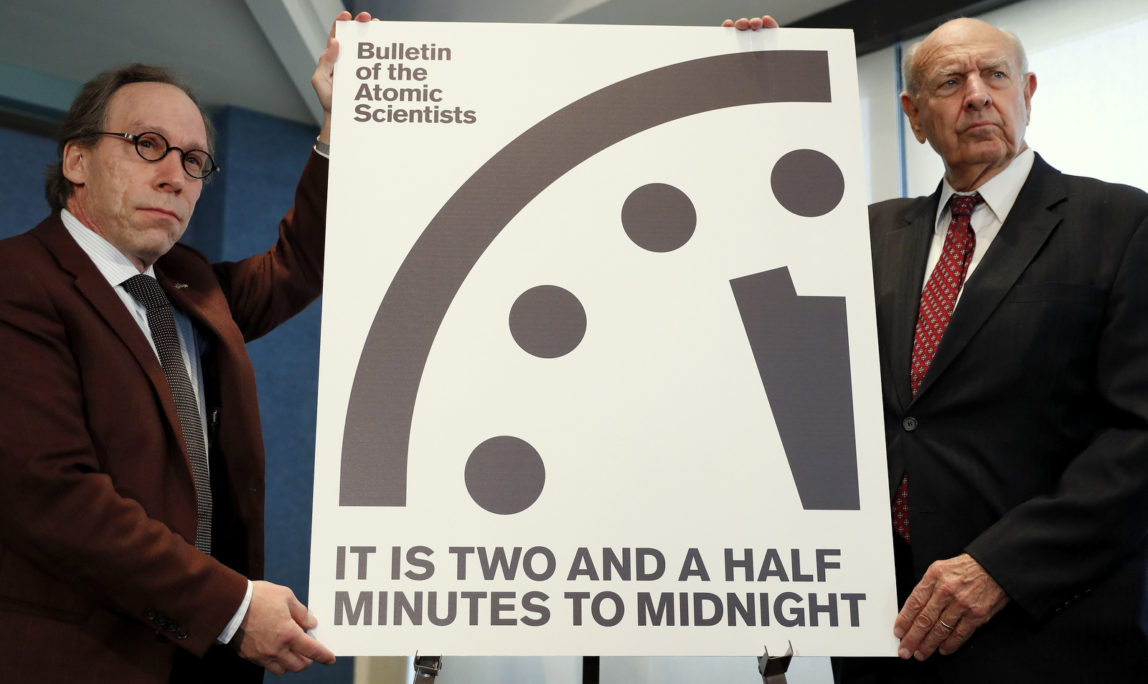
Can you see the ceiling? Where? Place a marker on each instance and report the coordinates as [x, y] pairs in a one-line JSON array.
[[259, 54]]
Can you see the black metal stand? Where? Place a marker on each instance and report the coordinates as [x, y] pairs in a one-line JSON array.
[[427, 668], [590, 665], [773, 668]]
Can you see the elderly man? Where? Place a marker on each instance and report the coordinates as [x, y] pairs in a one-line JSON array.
[[131, 459], [1012, 310]]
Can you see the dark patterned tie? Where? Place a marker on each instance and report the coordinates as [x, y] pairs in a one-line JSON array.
[[161, 322], [938, 300]]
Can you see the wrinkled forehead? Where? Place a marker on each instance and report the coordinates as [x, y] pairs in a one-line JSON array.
[[159, 107], [967, 59], [960, 47]]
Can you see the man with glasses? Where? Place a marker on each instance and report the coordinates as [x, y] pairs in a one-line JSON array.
[[131, 457]]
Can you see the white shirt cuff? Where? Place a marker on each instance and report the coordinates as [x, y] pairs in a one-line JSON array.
[[233, 626]]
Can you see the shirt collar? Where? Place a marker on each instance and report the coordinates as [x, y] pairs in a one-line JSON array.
[[999, 192], [110, 262]]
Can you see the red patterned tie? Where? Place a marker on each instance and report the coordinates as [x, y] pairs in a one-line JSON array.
[[938, 300]]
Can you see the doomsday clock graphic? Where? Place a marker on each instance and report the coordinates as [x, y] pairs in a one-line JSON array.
[[800, 344], [599, 346]]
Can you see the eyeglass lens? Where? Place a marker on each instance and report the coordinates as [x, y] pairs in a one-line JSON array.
[[153, 147]]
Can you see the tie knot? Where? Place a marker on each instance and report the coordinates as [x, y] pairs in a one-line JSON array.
[[963, 205], [146, 290]]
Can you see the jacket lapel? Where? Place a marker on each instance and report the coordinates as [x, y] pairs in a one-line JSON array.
[[95, 288], [905, 258], [191, 286], [1028, 226]]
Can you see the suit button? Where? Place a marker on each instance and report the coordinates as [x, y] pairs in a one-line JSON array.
[[150, 614], [909, 424]]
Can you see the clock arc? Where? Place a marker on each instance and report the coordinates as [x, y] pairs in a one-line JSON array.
[[373, 465]]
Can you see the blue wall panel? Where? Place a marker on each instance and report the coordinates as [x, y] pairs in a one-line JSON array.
[[23, 158], [261, 158]]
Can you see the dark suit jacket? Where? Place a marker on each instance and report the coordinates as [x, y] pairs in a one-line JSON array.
[[98, 579], [1027, 443]]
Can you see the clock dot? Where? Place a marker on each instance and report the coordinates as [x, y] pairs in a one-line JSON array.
[[505, 475], [547, 321], [659, 217], [807, 183]]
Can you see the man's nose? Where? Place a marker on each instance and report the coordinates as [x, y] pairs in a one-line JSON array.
[[976, 93], [170, 172]]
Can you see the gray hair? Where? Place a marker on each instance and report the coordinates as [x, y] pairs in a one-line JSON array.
[[911, 78]]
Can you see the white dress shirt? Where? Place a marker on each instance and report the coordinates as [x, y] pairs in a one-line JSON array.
[[999, 194]]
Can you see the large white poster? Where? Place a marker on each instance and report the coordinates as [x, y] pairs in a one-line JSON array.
[[599, 370]]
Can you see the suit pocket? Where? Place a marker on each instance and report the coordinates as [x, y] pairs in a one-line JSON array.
[[1060, 312], [24, 588], [1053, 292]]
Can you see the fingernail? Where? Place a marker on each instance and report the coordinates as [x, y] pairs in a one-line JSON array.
[[904, 654], [899, 633]]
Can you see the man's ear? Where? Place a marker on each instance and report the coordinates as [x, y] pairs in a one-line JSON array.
[[74, 162], [909, 106], [1029, 89]]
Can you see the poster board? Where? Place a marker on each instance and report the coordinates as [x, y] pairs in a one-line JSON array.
[[599, 370]]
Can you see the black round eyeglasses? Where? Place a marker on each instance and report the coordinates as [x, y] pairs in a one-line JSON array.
[[153, 147]]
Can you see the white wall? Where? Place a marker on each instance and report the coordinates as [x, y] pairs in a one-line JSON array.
[[880, 119], [1089, 109]]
